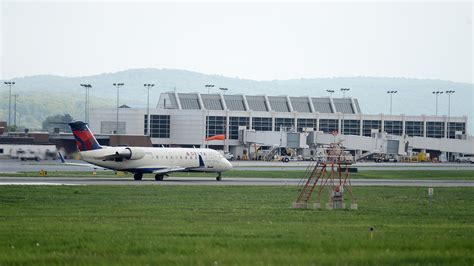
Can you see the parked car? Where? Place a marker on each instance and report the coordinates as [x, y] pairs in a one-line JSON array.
[[28, 155], [466, 158]]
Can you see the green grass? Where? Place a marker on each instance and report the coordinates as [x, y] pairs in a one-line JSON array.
[[201, 225], [386, 174]]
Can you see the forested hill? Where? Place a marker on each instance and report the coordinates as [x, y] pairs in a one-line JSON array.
[[45, 95]]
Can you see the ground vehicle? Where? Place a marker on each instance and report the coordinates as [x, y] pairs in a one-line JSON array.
[[465, 158], [27, 155]]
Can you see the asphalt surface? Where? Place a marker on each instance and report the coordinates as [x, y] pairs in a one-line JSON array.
[[203, 181], [13, 166]]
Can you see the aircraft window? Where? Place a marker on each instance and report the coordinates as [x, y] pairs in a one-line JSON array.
[[180, 157], [171, 157], [166, 157]]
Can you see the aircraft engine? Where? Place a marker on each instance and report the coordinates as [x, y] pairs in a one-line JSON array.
[[131, 153]]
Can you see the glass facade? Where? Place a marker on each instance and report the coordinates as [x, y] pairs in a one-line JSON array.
[[456, 126], [234, 123], [350, 127], [159, 126], [435, 129], [414, 128], [286, 123], [215, 125], [393, 127], [306, 123], [328, 125], [262, 123], [368, 125]]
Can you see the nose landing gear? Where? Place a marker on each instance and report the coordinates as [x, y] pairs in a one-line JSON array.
[[219, 177]]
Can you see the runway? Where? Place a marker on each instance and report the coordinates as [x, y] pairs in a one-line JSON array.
[[203, 181]]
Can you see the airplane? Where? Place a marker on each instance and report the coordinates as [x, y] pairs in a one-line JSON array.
[[147, 160]]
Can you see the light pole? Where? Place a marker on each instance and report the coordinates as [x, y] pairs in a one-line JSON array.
[[223, 90], [391, 93], [208, 86], [449, 109], [86, 104], [9, 84], [117, 85], [437, 93], [148, 86], [330, 93], [15, 96], [344, 90]]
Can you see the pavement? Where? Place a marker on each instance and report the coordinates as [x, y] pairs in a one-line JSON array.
[[12, 166], [206, 181]]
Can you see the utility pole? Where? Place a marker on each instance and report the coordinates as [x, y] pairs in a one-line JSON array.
[[391, 93], [86, 104], [437, 93], [148, 86], [117, 85], [9, 84]]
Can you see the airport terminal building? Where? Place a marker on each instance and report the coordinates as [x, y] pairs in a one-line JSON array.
[[187, 119]]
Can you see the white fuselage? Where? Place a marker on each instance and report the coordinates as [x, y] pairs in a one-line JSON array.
[[154, 159]]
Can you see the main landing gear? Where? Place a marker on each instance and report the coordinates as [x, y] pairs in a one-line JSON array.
[[159, 177], [137, 177], [219, 177]]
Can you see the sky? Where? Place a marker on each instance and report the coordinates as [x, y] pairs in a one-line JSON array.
[[261, 41]]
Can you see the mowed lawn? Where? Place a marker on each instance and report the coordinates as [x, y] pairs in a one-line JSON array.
[[296, 174], [202, 225]]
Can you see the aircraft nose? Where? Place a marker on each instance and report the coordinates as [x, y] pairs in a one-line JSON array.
[[227, 164]]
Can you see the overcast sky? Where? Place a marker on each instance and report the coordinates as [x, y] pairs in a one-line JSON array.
[[257, 41]]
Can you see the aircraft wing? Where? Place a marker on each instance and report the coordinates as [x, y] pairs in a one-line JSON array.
[[169, 170]]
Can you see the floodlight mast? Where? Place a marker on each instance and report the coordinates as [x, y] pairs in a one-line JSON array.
[[9, 84], [86, 104], [208, 86], [391, 93], [449, 112], [117, 85], [148, 86], [437, 93]]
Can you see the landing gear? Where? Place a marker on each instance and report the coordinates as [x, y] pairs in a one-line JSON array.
[[219, 177], [159, 177], [137, 177]]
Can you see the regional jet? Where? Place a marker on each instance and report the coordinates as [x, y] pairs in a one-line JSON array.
[[141, 160]]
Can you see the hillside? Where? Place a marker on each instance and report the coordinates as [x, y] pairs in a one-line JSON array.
[[41, 96]]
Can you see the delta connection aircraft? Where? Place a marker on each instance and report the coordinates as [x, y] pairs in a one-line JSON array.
[[141, 160]]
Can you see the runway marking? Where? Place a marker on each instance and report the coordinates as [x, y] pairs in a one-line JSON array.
[[36, 184]]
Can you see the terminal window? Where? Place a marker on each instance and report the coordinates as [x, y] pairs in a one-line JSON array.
[[328, 125], [393, 127], [351, 127], [159, 126], [306, 123], [262, 123], [414, 128], [234, 123], [215, 125], [456, 126], [284, 123], [435, 129], [368, 125]]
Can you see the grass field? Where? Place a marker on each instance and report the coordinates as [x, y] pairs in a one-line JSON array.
[[200, 225], [389, 174]]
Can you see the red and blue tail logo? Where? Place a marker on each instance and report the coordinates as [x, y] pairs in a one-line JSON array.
[[85, 141]]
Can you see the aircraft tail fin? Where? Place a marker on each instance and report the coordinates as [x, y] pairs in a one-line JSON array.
[[85, 140]]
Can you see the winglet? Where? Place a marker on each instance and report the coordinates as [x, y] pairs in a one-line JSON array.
[[201, 161], [61, 157]]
